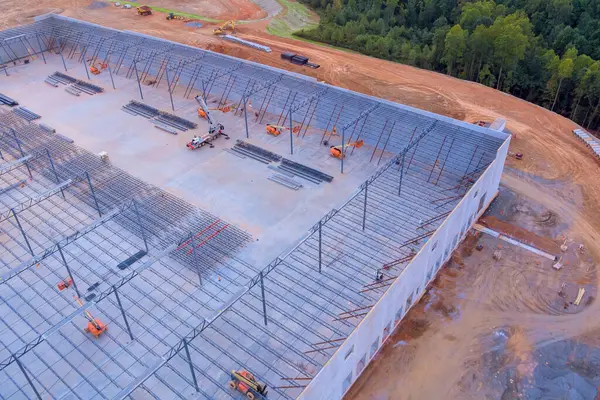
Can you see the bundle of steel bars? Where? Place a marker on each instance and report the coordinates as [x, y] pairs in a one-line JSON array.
[[8, 101], [25, 114]]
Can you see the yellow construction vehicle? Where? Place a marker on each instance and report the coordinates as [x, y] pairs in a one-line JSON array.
[[144, 10], [336, 151], [245, 382], [94, 325], [173, 16], [227, 26]]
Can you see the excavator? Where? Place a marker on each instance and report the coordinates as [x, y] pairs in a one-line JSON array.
[[227, 26], [245, 382], [275, 130], [94, 325], [336, 151], [214, 131]]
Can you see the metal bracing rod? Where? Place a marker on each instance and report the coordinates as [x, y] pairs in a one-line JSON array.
[[365, 207], [246, 116], [93, 193], [225, 90], [54, 171], [266, 85], [445, 159], [312, 114], [61, 54], [286, 114], [41, 49], [362, 127], [378, 140], [267, 106], [401, 174], [21, 151], [193, 79], [138, 80], [139, 221], [64, 260], [308, 100], [437, 157], [362, 115], [334, 127], [238, 107], [284, 106], [22, 368], [320, 245], [195, 257], [471, 160], [123, 312], [110, 73], [223, 73], [22, 231], [169, 88], [87, 70], [291, 134], [34, 200], [343, 151], [62, 242], [386, 142]]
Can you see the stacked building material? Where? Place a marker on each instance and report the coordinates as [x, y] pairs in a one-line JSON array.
[[48, 128], [8, 101], [176, 122], [248, 43], [304, 171], [78, 86], [72, 90], [161, 119], [165, 128], [25, 114], [141, 109], [258, 152], [62, 78], [285, 181], [589, 140], [88, 88]]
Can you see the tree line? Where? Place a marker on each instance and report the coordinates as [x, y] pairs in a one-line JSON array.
[[544, 51]]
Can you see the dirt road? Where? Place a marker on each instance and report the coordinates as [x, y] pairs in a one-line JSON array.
[[514, 300]]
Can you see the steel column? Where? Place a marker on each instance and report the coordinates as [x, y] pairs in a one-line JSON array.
[[27, 376], [87, 72], [123, 312], [64, 260], [189, 358], [41, 50], [93, 193], [169, 88], [264, 303], [343, 152], [246, 116], [22, 231], [21, 151], [110, 73], [55, 173]]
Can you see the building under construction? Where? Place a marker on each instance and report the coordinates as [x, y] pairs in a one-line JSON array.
[[263, 253]]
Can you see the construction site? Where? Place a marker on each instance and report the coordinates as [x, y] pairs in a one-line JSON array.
[[143, 257]]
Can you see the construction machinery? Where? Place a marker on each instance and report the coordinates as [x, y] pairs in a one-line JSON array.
[[64, 284], [245, 382], [144, 10], [275, 130], [94, 326], [173, 16], [214, 131], [336, 151], [223, 109], [96, 68], [227, 26]]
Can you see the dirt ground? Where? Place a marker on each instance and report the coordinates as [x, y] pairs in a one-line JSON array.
[[501, 330]]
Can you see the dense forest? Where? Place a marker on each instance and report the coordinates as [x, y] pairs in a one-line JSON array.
[[544, 51]]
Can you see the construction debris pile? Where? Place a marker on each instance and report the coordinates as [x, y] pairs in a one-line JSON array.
[[7, 101], [286, 169], [589, 140], [73, 86], [162, 120], [26, 114]]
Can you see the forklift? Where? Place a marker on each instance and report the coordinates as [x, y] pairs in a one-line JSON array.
[[245, 382]]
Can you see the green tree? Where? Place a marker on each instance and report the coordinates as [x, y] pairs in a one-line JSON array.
[[565, 71], [510, 42], [454, 46]]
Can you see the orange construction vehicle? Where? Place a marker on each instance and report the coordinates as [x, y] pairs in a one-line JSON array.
[[97, 68], [245, 382], [94, 325], [64, 284], [275, 130], [336, 151]]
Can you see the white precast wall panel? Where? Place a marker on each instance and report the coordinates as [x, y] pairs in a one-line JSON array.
[[338, 374]]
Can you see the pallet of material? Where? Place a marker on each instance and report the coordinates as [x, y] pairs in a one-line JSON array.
[[241, 151], [258, 151], [167, 121], [165, 128], [51, 82], [72, 90], [285, 181], [59, 76], [26, 114], [300, 174], [131, 260], [306, 170], [8, 101]]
